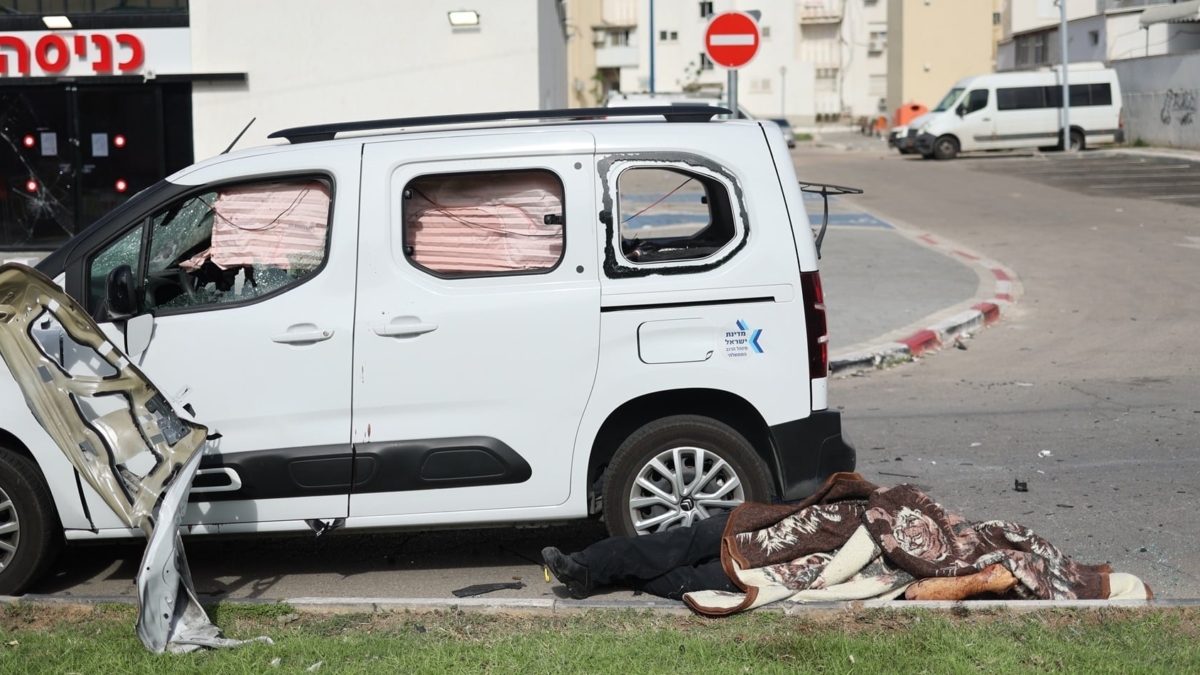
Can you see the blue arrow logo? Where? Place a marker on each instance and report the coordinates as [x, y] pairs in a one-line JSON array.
[[754, 335]]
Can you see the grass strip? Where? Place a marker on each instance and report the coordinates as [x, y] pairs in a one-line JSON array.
[[100, 639]]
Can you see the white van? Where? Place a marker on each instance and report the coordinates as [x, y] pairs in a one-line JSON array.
[[1004, 111], [514, 317]]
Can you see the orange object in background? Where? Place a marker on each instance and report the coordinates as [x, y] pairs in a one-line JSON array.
[[909, 112]]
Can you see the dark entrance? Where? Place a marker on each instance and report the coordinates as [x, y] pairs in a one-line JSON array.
[[69, 153]]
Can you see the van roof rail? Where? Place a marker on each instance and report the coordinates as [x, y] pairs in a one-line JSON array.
[[672, 113]]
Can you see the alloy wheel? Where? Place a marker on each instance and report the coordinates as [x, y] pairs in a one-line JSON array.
[[10, 530], [681, 486]]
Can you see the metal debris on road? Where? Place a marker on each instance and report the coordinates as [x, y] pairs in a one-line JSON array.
[[480, 589], [1020, 486], [1044, 453]]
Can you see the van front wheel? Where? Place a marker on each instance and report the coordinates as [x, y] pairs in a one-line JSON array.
[[945, 147], [1076, 141], [29, 537]]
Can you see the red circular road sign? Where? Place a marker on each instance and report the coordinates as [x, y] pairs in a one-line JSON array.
[[732, 39]]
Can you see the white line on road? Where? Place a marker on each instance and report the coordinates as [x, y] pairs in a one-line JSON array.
[[1140, 185], [1106, 169], [1191, 196]]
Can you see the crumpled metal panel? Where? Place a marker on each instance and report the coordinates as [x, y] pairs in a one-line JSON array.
[[122, 436]]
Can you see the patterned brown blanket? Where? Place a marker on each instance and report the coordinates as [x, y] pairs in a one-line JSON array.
[[854, 540]]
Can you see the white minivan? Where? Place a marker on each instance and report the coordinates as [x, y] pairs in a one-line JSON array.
[[1004, 111]]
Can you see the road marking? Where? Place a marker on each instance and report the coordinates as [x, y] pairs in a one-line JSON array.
[[1133, 177], [1140, 185], [1119, 169], [1194, 243], [1190, 196]]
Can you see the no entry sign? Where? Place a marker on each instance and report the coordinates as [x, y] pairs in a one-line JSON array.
[[731, 39]]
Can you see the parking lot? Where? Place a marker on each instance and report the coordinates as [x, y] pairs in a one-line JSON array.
[[1104, 173]]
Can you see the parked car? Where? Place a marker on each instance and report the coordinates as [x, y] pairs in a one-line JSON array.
[[789, 134], [476, 321], [904, 139], [1003, 111]]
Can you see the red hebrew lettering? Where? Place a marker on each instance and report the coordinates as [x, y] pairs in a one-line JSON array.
[[22, 54], [137, 53], [104, 63], [61, 55], [80, 46]]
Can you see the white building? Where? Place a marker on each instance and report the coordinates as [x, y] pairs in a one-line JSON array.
[[313, 61], [1097, 30], [819, 60]]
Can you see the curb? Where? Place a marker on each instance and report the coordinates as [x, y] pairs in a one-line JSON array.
[[560, 606], [985, 311]]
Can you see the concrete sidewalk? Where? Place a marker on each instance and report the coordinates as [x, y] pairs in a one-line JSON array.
[[895, 292]]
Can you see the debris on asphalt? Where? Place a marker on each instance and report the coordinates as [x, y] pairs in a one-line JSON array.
[[976, 444], [1044, 453], [480, 589], [1065, 506], [959, 344], [1020, 486], [897, 475], [1024, 384]]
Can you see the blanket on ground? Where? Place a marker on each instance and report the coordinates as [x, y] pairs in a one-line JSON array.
[[853, 540]]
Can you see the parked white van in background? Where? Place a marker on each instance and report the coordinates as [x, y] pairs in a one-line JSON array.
[[1003, 111]]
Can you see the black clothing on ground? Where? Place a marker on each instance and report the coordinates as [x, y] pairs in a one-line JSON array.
[[667, 564]]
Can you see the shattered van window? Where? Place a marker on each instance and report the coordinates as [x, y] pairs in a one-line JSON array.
[[236, 244], [481, 223], [125, 251]]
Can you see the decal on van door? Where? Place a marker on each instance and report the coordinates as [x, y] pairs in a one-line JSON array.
[[743, 341]]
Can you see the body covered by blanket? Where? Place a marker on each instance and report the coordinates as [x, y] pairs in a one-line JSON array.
[[853, 540]]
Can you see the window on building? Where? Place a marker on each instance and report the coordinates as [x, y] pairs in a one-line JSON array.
[[760, 85], [706, 10], [1093, 37], [996, 18], [618, 38], [668, 36], [1033, 50], [480, 224], [705, 62], [672, 214], [877, 42], [765, 31], [224, 246]]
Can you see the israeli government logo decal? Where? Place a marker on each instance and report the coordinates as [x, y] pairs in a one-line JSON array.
[[743, 341]]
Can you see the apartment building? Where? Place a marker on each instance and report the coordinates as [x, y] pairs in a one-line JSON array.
[[819, 60]]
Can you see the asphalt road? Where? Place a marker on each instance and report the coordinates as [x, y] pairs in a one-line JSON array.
[[1098, 365]]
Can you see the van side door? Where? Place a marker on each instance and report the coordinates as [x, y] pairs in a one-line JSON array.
[[977, 112], [477, 325]]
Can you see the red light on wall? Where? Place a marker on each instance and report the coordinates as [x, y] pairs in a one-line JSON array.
[[31, 185], [122, 185], [29, 141], [118, 141]]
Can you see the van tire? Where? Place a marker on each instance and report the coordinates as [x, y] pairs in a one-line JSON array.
[[690, 437], [945, 147], [26, 503], [1077, 142]]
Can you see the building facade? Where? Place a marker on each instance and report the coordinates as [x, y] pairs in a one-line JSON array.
[[935, 43], [819, 60], [102, 98]]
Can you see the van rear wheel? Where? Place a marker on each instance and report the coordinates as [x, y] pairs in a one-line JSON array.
[[945, 147], [678, 470]]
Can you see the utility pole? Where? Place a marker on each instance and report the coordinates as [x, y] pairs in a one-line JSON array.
[[652, 36], [783, 91], [1066, 89]]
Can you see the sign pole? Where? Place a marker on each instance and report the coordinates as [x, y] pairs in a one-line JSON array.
[[733, 102], [1066, 91]]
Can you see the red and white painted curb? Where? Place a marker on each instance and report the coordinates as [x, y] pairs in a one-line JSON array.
[[985, 310]]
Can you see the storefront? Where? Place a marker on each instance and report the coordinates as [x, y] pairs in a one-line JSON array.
[[93, 108]]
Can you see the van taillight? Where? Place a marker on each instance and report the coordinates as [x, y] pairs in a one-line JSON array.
[[1121, 118], [814, 320]]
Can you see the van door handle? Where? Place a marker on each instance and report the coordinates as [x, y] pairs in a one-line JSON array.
[[235, 481], [987, 119], [302, 333], [397, 328]]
